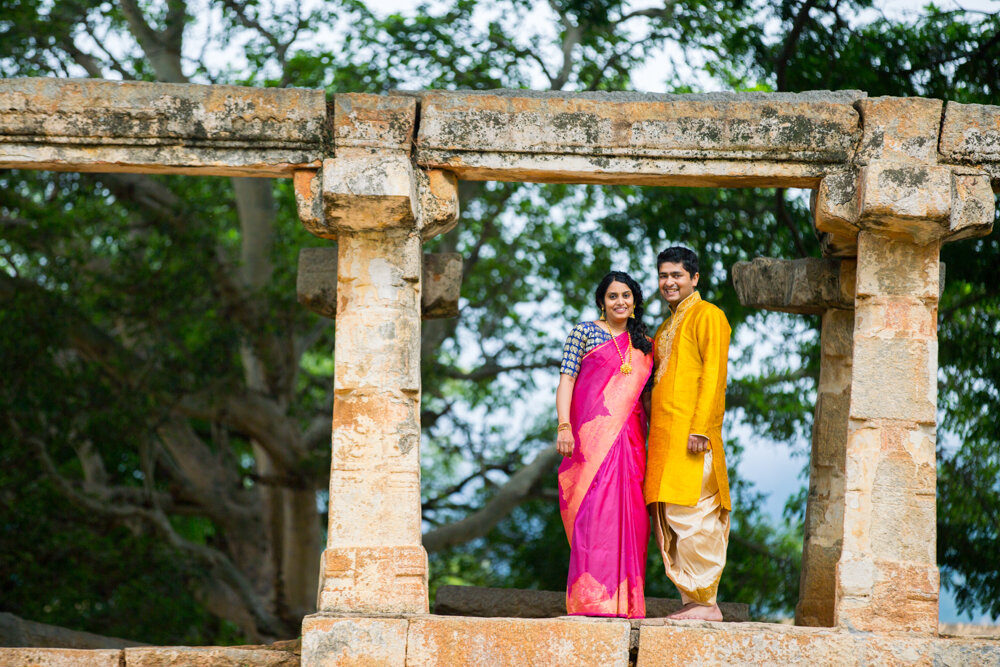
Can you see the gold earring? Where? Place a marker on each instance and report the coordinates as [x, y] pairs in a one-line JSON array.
[[632, 314], [602, 314]]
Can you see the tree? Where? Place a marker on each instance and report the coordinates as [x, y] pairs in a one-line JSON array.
[[165, 382]]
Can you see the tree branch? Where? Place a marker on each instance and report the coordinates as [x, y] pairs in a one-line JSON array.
[[791, 40], [512, 494], [161, 48], [490, 370]]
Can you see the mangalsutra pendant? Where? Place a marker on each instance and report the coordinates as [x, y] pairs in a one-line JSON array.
[[626, 368]]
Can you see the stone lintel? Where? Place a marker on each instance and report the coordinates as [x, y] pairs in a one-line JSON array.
[[520, 603], [970, 135], [316, 283], [129, 126], [373, 122], [728, 140], [808, 286]]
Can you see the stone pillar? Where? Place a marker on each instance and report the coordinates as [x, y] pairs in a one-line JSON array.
[[376, 204], [824, 522], [887, 576], [823, 287]]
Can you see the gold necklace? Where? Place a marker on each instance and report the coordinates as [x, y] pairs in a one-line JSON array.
[[626, 366]]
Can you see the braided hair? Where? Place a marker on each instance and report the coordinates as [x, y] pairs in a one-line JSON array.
[[636, 329]]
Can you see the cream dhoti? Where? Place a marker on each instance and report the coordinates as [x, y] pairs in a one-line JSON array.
[[693, 541]]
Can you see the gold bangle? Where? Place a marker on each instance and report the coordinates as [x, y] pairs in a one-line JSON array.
[[563, 426]]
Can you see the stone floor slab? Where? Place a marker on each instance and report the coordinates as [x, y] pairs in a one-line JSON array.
[[329, 640], [514, 642], [59, 657], [717, 645]]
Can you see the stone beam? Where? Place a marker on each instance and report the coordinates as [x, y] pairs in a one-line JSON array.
[[724, 139], [809, 286], [91, 125], [316, 283]]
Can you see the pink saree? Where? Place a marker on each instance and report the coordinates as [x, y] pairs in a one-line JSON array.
[[600, 486]]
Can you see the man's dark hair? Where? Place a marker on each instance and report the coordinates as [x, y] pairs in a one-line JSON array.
[[679, 255]]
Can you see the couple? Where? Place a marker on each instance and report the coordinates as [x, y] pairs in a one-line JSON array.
[[607, 481]]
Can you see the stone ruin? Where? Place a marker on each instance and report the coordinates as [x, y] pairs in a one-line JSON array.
[[892, 180]]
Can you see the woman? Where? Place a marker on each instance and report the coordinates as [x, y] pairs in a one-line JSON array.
[[602, 432]]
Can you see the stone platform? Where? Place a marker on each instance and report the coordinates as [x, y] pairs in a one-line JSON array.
[[423, 640], [420, 640]]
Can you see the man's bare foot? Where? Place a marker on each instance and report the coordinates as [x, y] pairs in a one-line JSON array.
[[693, 611]]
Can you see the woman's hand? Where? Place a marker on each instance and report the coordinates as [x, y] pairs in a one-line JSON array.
[[565, 442], [564, 399]]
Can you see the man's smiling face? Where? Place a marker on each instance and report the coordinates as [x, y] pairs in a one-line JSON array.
[[676, 284]]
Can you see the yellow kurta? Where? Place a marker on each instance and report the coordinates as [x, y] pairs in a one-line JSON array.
[[689, 397]]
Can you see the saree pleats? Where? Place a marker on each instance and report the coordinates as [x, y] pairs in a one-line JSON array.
[[600, 487]]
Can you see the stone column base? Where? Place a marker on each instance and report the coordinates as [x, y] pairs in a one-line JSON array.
[[374, 580]]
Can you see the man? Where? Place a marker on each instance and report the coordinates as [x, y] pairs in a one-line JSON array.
[[686, 487]]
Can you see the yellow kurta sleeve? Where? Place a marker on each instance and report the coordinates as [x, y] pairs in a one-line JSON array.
[[712, 334]]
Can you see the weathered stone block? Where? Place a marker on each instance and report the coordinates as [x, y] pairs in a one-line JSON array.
[[670, 140], [437, 201], [894, 379], [891, 267], [316, 280], [374, 580], [905, 200], [316, 284], [973, 206], [714, 645], [835, 204], [373, 122], [367, 192], [367, 510], [60, 657], [392, 359], [520, 603], [887, 596], [900, 129], [332, 641], [308, 186], [807, 286], [442, 285], [131, 126], [970, 134], [454, 640], [208, 656]]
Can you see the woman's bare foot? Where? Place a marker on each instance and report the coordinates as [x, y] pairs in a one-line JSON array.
[[693, 611]]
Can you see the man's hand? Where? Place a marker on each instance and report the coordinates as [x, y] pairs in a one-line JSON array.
[[564, 442], [698, 444]]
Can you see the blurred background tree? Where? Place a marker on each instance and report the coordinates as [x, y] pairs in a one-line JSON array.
[[165, 404]]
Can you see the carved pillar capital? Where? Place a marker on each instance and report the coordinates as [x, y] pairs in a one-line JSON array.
[[909, 201]]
